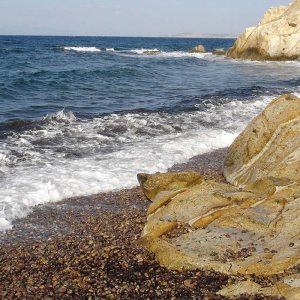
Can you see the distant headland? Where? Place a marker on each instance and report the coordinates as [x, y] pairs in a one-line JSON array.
[[205, 35]]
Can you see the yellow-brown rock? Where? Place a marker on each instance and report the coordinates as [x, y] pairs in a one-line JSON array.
[[269, 146], [153, 184], [250, 225], [198, 49], [279, 289], [277, 36]]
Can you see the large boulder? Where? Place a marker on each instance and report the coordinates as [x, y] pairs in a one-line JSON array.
[[250, 225], [198, 49], [277, 36], [269, 147]]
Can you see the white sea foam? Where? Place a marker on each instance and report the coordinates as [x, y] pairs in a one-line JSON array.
[[213, 57], [2, 157], [145, 51], [152, 53], [60, 116], [82, 49], [189, 54], [209, 56], [283, 63], [102, 158]]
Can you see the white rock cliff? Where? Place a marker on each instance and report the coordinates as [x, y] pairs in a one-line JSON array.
[[277, 36]]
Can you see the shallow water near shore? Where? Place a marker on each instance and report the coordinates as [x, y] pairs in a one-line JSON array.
[[89, 246], [81, 116], [57, 219]]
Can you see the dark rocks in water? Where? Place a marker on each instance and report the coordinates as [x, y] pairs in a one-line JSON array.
[[151, 52], [219, 52]]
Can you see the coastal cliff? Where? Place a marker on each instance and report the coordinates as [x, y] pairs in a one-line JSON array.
[[277, 36], [249, 225]]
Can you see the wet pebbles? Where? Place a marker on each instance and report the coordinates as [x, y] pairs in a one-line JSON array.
[[87, 248]]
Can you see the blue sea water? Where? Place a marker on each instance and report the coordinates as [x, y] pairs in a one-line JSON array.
[[80, 115]]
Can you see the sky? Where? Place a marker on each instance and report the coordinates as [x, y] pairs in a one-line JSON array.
[[130, 17]]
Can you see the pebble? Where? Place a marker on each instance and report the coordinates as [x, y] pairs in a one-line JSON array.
[[87, 248]]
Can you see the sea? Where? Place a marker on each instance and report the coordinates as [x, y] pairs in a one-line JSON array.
[[83, 115]]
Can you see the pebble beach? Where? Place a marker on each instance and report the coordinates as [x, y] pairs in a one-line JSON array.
[[88, 248]]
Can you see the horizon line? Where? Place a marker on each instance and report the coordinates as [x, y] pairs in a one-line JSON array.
[[212, 36]]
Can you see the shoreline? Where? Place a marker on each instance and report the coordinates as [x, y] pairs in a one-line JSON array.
[[31, 227], [88, 247]]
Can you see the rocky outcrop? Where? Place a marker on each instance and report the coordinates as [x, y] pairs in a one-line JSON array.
[[250, 225], [198, 49], [219, 52], [269, 147], [277, 36], [152, 52]]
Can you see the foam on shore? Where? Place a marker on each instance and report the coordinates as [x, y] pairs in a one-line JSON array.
[[66, 156]]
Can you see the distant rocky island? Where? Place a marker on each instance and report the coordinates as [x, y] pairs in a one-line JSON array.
[[277, 36], [205, 35]]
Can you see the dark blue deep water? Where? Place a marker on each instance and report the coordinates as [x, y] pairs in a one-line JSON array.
[[38, 75], [79, 115]]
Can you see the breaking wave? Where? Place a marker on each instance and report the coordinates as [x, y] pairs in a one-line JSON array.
[[155, 52], [82, 49], [132, 105], [64, 155]]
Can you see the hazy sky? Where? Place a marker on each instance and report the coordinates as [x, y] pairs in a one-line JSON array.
[[130, 17]]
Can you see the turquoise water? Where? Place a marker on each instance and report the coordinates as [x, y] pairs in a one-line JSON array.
[[80, 115]]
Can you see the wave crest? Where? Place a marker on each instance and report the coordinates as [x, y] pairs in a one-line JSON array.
[[82, 49], [60, 116], [146, 51], [67, 156]]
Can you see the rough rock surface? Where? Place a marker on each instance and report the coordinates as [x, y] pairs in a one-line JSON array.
[[198, 49], [250, 225], [277, 36], [269, 147]]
